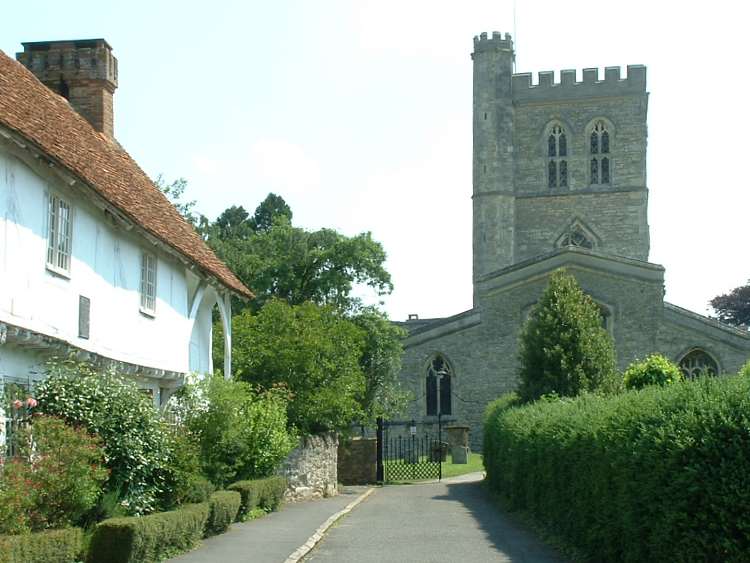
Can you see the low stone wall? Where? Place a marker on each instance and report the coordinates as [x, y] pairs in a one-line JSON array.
[[357, 461], [311, 468]]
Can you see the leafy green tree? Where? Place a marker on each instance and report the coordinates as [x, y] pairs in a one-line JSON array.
[[381, 363], [269, 212], [174, 192], [564, 349], [278, 260], [654, 370], [734, 307], [313, 351]]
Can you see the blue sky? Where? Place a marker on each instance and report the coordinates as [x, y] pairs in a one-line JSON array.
[[359, 115]]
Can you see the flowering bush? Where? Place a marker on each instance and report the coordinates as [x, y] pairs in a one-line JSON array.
[[55, 479], [134, 438]]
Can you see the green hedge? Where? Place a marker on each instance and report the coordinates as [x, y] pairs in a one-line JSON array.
[[148, 538], [660, 474], [53, 546], [259, 493], [225, 505]]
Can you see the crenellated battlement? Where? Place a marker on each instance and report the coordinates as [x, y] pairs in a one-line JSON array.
[[592, 85], [484, 43]]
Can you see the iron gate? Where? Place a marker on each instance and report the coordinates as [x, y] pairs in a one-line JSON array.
[[405, 454]]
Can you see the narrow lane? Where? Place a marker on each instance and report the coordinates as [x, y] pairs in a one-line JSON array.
[[448, 521]]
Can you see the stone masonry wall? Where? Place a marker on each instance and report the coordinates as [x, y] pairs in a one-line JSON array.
[[311, 468]]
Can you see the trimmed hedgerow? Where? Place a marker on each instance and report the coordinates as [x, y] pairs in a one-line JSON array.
[[259, 493], [145, 539], [658, 474], [225, 505], [53, 546]]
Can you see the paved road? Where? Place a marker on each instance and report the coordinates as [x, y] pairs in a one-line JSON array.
[[447, 521], [274, 537]]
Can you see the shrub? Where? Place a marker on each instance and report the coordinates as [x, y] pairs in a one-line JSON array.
[[134, 437], [187, 483], [144, 539], [51, 546], [225, 505], [657, 474], [654, 370], [16, 502], [745, 370], [66, 471], [492, 412], [563, 347], [266, 494], [242, 433]]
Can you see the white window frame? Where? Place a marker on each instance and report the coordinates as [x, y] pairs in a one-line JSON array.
[[59, 235], [148, 283]]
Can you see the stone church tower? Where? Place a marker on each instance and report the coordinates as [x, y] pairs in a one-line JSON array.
[[559, 181], [556, 164]]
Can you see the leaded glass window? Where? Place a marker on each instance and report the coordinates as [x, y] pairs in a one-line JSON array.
[[576, 236], [59, 234], [438, 387], [698, 363], [600, 165], [557, 151], [148, 283]]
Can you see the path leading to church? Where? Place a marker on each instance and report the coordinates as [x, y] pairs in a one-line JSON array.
[[448, 521]]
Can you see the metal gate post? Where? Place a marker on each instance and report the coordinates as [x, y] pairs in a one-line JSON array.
[[379, 473]]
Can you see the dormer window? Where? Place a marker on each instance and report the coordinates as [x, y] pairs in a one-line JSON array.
[[557, 153], [148, 283], [59, 234]]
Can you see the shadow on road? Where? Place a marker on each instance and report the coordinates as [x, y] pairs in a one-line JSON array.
[[507, 535]]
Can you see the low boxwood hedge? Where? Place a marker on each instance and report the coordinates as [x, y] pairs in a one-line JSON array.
[[259, 493], [53, 546], [149, 538], [225, 505], [659, 474]]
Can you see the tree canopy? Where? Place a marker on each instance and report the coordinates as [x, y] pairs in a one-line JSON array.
[[734, 307], [563, 347]]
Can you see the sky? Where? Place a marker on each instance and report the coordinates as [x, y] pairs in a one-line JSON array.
[[358, 113]]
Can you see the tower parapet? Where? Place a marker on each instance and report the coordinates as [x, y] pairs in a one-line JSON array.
[[495, 42], [591, 86]]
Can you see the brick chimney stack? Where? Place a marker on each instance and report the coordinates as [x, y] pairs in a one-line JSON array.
[[82, 71]]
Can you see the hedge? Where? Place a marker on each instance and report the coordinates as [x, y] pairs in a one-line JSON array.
[[658, 474], [53, 546], [225, 505], [259, 493], [149, 538]]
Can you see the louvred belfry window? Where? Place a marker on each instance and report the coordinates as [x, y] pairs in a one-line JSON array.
[[600, 155], [557, 154]]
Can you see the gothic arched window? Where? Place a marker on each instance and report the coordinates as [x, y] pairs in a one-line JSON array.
[[697, 363], [438, 387], [600, 159], [557, 153]]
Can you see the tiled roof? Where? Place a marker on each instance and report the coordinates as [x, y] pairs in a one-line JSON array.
[[46, 119]]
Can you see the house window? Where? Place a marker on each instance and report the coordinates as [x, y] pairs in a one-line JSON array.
[[438, 387], [148, 283], [698, 363], [600, 157], [557, 152], [59, 234]]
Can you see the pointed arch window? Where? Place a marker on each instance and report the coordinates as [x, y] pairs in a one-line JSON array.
[[600, 155], [438, 384], [557, 153], [698, 363], [577, 236]]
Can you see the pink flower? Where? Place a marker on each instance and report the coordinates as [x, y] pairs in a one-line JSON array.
[[31, 402], [17, 404]]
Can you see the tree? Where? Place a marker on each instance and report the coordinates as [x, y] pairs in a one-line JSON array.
[[313, 351], [269, 212], [734, 307], [174, 193], [278, 260], [563, 347], [381, 364]]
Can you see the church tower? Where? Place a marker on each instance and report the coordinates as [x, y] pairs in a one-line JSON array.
[[493, 193], [556, 164]]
